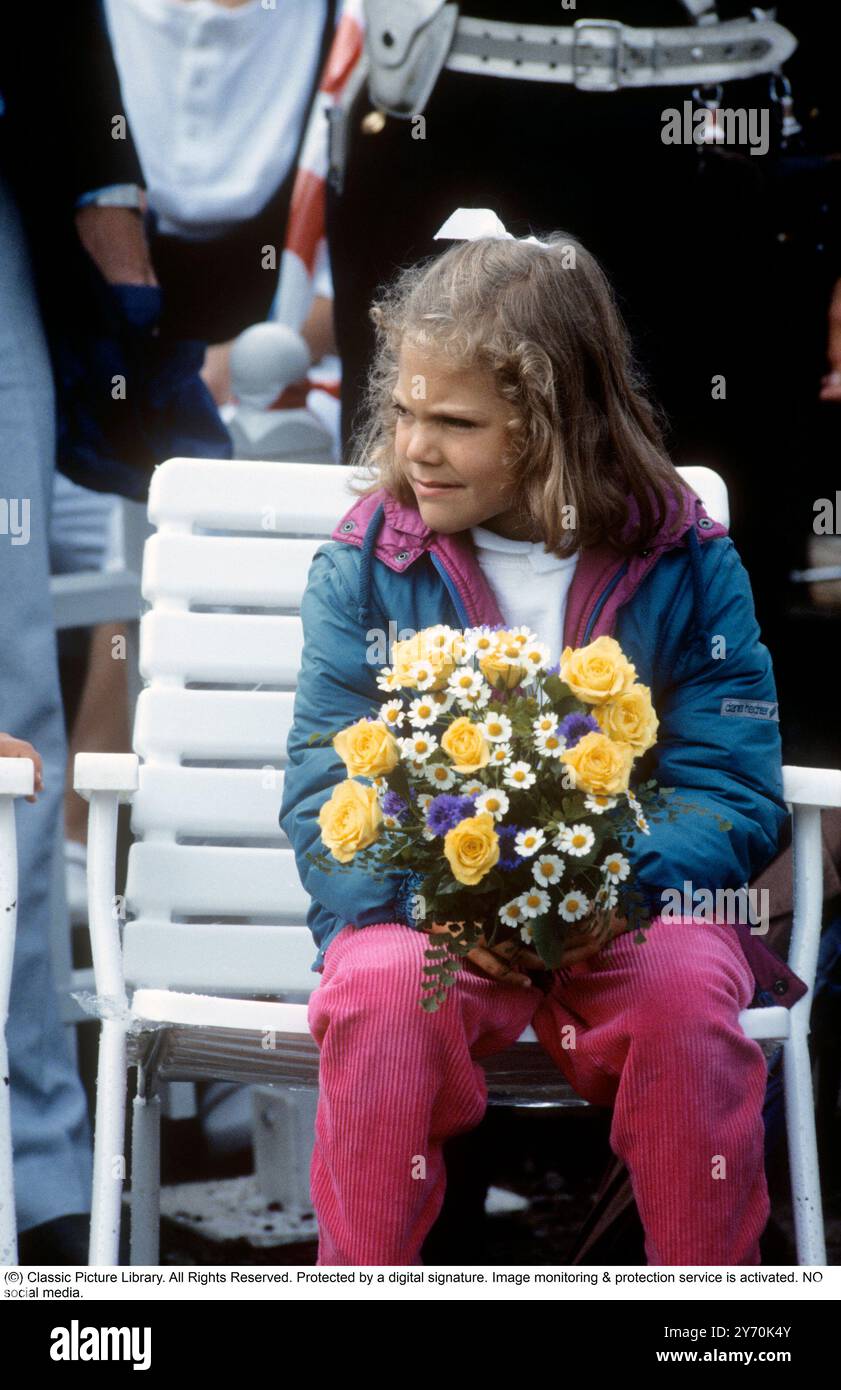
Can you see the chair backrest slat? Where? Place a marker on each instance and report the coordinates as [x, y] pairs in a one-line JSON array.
[[269, 573], [212, 802], [222, 648], [219, 958], [212, 724], [229, 880]]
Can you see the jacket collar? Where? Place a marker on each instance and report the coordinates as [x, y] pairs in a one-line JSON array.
[[396, 534]]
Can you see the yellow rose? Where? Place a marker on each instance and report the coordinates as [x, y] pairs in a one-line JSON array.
[[501, 666], [466, 745], [350, 820], [597, 672], [599, 764], [367, 748], [420, 648], [630, 718], [472, 848]]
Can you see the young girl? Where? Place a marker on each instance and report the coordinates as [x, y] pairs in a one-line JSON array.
[[518, 476]]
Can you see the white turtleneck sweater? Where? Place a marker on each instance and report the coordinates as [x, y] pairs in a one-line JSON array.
[[530, 583]]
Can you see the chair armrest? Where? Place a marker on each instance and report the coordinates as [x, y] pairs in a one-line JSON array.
[[812, 786], [17, 777], [106, 772]]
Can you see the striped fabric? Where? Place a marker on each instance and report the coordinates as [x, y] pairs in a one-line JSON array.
[[305, 243]]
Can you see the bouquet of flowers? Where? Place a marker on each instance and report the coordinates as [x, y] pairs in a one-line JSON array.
[[501, 786]]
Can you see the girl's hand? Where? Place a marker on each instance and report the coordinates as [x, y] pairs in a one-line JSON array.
[[499, 962], [19, 748], [591, 934]]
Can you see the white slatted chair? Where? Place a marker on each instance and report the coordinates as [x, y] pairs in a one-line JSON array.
[[17, 778], [217, 925]]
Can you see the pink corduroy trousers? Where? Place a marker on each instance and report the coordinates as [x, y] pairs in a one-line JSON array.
[[650, 1029]]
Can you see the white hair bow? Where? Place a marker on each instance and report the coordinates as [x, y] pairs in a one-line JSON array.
[[469, 224]]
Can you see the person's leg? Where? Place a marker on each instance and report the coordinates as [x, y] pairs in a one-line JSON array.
[[50, 1130], [653, 1030], [394, 1083]]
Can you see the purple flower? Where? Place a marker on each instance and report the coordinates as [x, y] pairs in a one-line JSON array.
[[508, 858], [394, 805], [575, 726], [444, 812]]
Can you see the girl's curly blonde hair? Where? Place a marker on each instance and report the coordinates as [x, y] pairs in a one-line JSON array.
[[583, 432]]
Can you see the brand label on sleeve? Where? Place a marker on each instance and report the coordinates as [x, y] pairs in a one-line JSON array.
[[751, 709]]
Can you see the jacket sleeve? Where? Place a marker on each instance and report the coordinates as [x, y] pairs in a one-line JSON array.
[[336, 686], [715, 757]]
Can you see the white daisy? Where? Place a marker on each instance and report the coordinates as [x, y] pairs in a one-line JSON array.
[[472, 788], [387, 680], [548, 868], [523, 634], [416, 765], [464, 681], [501, 754], [494, 802], [422, 712], [512, 913], [442, 700], [519, 776], [545, 723], [419, 747], [441, 636], [607, 897], [424, 799], [477, 699], [575, 840], [392, 714], [496, 728], [440, 775], [479, 640], [527, 933], [633, 803], [422, 674], [550, 744], [534, 902], [642, 824], [391, 822], [529, 841], [597, 803], [573, 906], [616, 867], [535, 656]]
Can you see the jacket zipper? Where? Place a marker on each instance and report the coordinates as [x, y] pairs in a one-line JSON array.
[[451, 588], [600, 603]]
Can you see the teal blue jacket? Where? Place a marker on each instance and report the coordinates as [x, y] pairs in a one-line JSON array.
[[683, 613]]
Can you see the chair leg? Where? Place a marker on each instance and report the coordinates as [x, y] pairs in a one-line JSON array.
[[8, 1222], [109, 1139], [802, 1142], [145, 1180]]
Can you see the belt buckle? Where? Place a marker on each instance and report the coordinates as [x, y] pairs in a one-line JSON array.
[[607, 57]]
